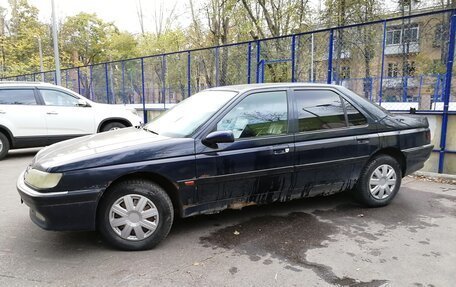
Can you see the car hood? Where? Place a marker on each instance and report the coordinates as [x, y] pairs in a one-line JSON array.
[[110, 148]]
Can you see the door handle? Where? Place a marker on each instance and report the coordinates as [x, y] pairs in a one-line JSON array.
[[281, 150], [52, 113], [2, 112]]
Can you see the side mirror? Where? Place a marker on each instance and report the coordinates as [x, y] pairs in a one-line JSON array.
[[83, 103], [214, 138]]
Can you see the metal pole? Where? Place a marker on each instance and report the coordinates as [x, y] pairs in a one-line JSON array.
[[56, 45], [419, 90], [330, 55], [79, 81], [312, 58], [164, 80], [217, 81], [143, 91], [107, 83], [189, 78], [258, 61], [125, 100], [293, 48], [447, 91], [380, 92], [249, 61], [41, 59]]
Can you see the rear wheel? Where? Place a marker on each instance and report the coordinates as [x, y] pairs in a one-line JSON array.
[[135, 215], [112, 126], [4, 145], [379, 181]]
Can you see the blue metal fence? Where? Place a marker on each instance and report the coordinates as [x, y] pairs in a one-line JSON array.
[[399, 63]]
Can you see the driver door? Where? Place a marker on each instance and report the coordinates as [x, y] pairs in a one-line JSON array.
[[257, 166]]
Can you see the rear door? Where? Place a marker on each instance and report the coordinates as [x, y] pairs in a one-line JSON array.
[[22, 114], [64, 117], [258, 165], [333, 141]]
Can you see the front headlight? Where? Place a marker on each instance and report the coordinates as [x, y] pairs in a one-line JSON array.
[[40, 179]]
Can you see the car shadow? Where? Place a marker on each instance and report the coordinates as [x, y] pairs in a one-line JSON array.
[[55, 243]]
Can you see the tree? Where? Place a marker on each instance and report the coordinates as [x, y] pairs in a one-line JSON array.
[[84, 38]]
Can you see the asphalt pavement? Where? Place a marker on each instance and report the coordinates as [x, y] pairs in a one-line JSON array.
[[324, 241]]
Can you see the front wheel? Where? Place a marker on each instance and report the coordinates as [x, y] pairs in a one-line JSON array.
[[135, 215], [379, 181]]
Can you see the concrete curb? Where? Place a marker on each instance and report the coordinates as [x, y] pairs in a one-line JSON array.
[[435, 175]]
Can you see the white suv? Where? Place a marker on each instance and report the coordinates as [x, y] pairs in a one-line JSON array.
[[38, 114]]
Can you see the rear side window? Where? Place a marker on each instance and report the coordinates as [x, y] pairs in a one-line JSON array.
[[56, 98], [355, 118], [319, 110], [258, 115], [17, 97]]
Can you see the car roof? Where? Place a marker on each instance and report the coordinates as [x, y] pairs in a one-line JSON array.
[[249, 87], [8, 84]]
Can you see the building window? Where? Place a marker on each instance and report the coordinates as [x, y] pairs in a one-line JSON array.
[[392, 70], [345, 72], [441, 32], [409, 69], [398, 35]]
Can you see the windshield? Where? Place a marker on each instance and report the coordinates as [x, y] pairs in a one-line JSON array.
[[183, 119]]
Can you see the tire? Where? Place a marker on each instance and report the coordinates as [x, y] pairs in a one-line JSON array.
[[132, 231], [383, 188], [4, 146], [112, 126]]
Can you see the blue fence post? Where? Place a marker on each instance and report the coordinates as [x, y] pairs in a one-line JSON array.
[[404, 88], [189, 79], [258, 56], [164, 80], [419, 90], [330, 55], [125, 100], [91, 93], [79, 80], [447, 91], [293, 48], [217, 80], [143, 91], [107, 83], [249, 61], [380, 92]]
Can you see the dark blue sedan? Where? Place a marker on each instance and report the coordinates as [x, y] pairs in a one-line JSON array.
[[225, 147]]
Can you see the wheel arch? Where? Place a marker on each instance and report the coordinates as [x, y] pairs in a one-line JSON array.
[[168, 186], [394, 153], [8, 135], [104, 122]]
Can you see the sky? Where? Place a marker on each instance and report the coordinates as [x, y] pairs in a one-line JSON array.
[[122, 12]]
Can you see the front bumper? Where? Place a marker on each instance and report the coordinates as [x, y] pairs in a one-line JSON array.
[[66, 210], [415, 157]]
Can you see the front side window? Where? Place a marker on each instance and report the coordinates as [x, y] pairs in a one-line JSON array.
[[17, 97], [56, 98], [319, 110], [258, 115]]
